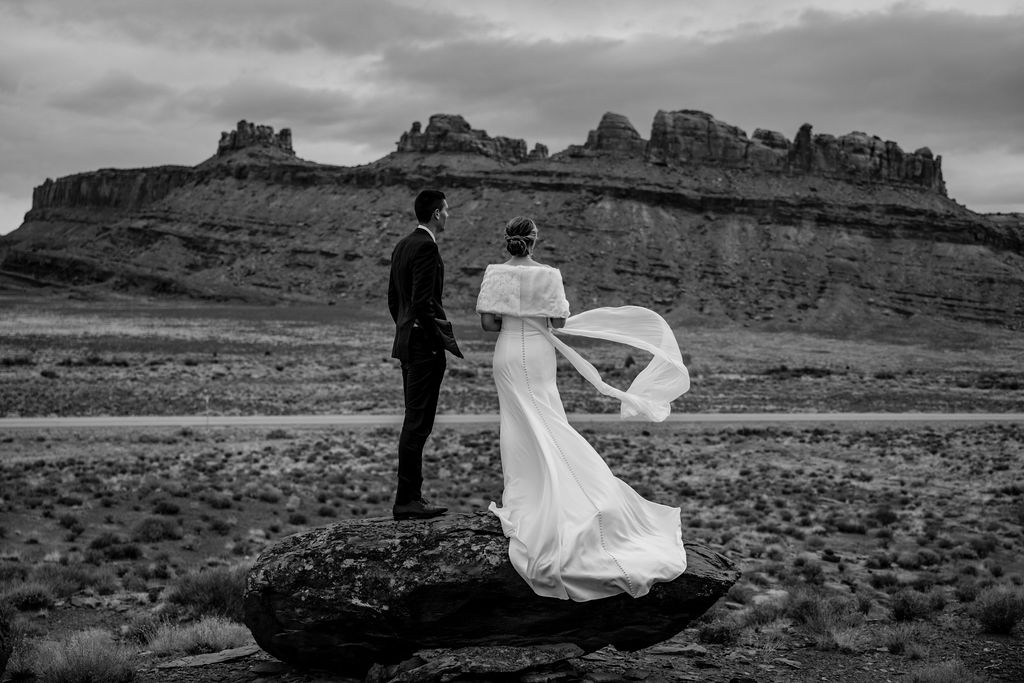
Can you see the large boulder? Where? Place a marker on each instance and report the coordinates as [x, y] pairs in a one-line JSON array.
[[364, 592]]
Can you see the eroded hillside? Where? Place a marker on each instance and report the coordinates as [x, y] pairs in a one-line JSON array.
[[699, 220]]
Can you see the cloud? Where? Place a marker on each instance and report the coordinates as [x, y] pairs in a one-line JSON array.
[[348, 28], [144, 82], [269, 100], [115, 93], [913, 76]]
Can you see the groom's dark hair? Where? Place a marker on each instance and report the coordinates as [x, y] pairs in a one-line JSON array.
[[427, 202]]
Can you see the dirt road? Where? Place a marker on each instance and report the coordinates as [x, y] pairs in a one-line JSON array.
[[367, 420]]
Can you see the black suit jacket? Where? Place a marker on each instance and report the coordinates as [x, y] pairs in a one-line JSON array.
[[414, 297]]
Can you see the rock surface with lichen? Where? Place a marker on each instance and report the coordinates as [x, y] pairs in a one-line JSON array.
[[360, 593]]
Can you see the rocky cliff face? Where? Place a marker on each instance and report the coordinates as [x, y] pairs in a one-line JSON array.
[[688, 137], [452, 134], [699, 220]]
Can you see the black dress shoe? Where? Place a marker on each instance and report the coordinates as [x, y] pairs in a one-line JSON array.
[[417, 509]]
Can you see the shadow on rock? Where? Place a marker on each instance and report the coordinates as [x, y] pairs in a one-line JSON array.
[[360, 593]]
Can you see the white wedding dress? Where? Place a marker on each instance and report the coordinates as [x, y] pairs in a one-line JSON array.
[[575, 530]]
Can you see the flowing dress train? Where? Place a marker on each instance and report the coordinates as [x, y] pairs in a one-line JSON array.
[[575, 530]]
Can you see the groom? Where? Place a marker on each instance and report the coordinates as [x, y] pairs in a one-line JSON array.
[[422, 333]]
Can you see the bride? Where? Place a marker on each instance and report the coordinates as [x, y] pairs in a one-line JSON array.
[[575, 530]]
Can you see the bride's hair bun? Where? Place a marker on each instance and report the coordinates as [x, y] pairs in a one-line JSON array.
[[520, 236]]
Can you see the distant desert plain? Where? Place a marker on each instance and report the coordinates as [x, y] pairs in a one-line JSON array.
[[869, 552]]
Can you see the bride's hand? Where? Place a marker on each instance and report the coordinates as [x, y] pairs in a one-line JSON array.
[[490, 322]]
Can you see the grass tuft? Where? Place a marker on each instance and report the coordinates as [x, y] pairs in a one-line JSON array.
[[30, 595], [951, 671], [85, 657], [903, 639], [156, 529], [211, 592], [834, 622], [67, 580], [909, 604], [999, 609], [209, 634]]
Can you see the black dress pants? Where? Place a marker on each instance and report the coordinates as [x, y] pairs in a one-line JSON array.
[[421, 383]]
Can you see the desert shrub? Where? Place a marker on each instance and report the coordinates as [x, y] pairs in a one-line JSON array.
[[884, 515], [878, 560], [141, 629], [10, 573], [209, 634], [963, 552], [983, 545], [30, 595], [952, 671], [278, 434], [220, 526], [214, 592], [166, 507], [833, 622], [12, 361], [850, 525], [297, 518], [219, 501], [999, 609], [22, 655], [966, 590], [327, 511], [69, 521], [156, 529], [85, 657], [908, 605], [718, 632], [268, 494], [158, 570], [66, 580], [864, 603], [105, 540], [908, 560], [815, 542], [812, 573], [741, 593], [108, 546], [903, 639]]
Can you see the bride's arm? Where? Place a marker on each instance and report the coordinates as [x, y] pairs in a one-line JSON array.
[[557, 323], [491, 322]]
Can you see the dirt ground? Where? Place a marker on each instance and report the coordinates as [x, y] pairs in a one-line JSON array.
[[892, 536]]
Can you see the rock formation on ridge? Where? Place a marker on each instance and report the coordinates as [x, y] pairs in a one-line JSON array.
[[451, 133], [614, 135], [360, 592], [249, 134], [816, 231]]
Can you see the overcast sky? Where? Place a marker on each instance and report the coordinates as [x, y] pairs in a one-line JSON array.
[[133, 83]]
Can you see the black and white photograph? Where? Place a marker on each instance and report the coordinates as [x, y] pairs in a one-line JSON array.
[[575, 341]]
